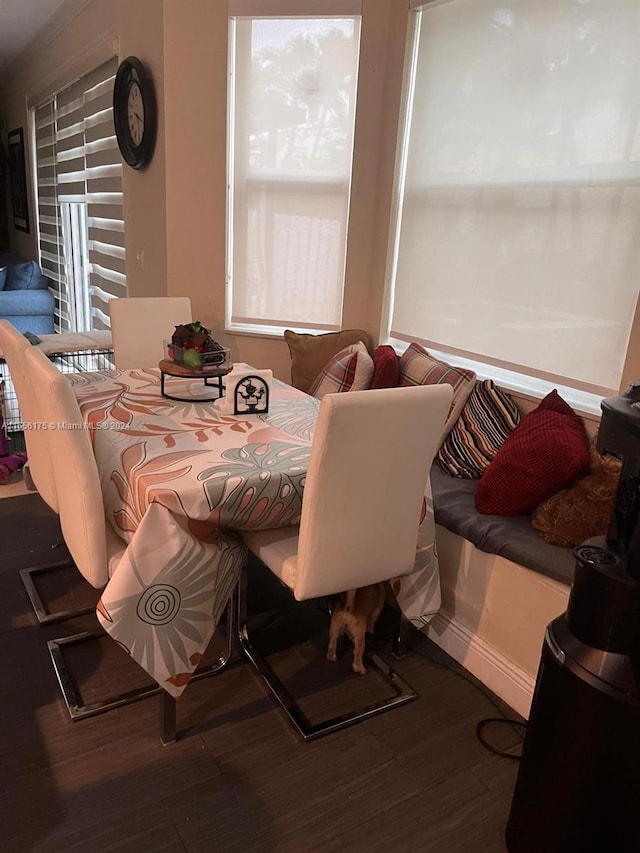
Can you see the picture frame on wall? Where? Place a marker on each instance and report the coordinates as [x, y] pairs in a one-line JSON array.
[[18, 176]]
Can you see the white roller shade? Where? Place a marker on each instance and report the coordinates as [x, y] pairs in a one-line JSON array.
[[292, 117], [518, 241]]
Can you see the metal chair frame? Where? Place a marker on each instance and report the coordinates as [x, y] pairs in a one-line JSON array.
[[79, 710], [403, 693], [43, 615]]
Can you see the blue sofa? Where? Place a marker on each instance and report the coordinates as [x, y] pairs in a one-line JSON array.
[[25, 299]]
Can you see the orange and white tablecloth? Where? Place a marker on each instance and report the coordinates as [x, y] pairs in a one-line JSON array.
[[179, 480]]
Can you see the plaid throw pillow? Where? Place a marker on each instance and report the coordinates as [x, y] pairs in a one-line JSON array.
[[487, 420], [417, 367], [349, 370]]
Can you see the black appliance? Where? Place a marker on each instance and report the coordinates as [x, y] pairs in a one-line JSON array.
[[578, 785]]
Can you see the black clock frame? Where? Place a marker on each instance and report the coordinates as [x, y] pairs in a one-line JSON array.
[[131, 70]]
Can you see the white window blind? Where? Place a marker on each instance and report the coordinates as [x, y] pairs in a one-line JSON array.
[[48, 211], [520, 194], [80, 200], [292, 109]]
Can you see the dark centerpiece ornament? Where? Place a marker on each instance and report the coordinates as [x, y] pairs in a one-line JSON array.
[[192, 345], [251, 396]]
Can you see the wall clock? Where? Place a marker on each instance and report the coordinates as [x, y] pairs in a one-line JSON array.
[[134, 112]]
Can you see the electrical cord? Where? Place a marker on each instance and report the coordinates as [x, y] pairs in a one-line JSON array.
[[503, 753], [517, 725]]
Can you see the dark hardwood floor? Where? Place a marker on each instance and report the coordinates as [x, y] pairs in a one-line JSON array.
[[239, 778]]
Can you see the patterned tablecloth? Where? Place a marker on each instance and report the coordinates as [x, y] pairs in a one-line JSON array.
[[179, 479]]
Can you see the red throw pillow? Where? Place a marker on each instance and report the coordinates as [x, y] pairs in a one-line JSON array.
[[386, 367], [547, 452]]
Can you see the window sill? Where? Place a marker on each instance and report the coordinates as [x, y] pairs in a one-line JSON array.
[[256, 331]]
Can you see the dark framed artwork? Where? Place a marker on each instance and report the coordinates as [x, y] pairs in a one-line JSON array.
[[18, 174]]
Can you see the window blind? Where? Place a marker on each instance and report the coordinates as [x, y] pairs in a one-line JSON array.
[[48, 211], [76, 144], [517, 241], [293, 84]]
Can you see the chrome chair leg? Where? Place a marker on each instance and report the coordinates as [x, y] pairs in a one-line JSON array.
[[403, 692], [168, 705], [43, 616], [168, 731], [401, 636]]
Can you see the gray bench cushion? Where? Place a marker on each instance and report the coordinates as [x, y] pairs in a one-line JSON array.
[[511, 537]]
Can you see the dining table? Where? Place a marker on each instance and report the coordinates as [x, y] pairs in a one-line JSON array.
[[181, 480]]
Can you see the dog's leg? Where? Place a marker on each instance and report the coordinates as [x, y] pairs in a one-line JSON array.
[[335, 629], [358, 650]]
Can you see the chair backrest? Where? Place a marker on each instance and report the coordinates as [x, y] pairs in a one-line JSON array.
[[364, 491], [14, 345], [80, 502], [141, 324]]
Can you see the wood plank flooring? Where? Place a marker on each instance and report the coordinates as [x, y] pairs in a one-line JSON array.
[[239, 778]]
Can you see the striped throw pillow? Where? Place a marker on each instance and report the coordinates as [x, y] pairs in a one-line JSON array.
[[349, 370], [417, 367], [486, 421]]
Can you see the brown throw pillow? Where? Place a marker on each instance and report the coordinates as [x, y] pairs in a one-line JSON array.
[[310, 353], [583, 510]]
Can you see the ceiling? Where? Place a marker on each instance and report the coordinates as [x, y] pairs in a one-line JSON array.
[[22, 21]]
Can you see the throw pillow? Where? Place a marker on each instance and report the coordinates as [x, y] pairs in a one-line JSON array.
[[583, 510], [310, 353], [349, 370], [3, 277], [547, 451], [417, 367], [487, 420], [23, 276], [386, 367]]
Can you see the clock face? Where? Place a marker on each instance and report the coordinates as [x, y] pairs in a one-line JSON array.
[[135, 113]]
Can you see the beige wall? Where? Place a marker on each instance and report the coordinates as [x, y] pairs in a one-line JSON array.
[[176, 208]]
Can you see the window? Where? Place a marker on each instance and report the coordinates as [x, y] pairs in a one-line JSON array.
[[517, 240], [79, 186], [292, 108]]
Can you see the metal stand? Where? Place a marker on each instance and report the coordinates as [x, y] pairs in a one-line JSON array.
[[218, 384], [403, 692]]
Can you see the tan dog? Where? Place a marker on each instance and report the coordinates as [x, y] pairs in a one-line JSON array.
[[356, 613]]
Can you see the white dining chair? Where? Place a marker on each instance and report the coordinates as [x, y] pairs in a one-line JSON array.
[[362, 500], [95, 547], [14, 345], [141, 324]]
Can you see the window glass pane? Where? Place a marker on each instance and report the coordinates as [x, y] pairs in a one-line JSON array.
[[518, 237], [293, 112]]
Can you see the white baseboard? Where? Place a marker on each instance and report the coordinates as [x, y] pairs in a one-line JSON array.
[[508, 681]]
